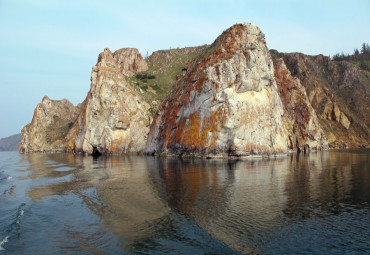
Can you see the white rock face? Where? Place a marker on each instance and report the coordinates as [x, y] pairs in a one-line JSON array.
[[228, 105], [52, 119], [115, 118]]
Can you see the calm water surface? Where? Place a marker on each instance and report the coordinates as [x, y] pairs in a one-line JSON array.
[[302, 204]]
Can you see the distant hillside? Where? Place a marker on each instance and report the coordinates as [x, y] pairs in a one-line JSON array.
[[10, 143], [360, 58]]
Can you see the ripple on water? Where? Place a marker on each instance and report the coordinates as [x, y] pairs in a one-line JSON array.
[[10, 222], [345, 233], [63, 169], [2, 242]]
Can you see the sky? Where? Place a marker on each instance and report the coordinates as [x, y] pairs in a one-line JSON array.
[[48, 47]]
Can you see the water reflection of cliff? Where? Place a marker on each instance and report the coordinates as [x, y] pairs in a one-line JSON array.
[[117, 189], [236, 202], [231, 200], [326, 183], [240, 202]]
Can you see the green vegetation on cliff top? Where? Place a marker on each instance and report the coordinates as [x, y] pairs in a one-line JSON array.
[[164, 67], [359, 58]]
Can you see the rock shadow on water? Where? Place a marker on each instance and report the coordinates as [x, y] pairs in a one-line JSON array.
[[199, 205]]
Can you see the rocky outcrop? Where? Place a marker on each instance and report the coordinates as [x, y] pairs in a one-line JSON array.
[[114, 118], [301, 122], [130, 61], [339, 93], [224, 99], [52, 119], [227, 104]]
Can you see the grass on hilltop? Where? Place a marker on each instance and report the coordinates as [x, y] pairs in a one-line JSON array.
[[164, 66]]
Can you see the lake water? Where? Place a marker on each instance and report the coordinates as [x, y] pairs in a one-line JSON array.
[[300, 204]]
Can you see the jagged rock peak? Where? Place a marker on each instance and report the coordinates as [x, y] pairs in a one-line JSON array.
[[114, 118], [45, 98], [50, 124], [241, 36], [128, 60], [106, 59], [227, 104]]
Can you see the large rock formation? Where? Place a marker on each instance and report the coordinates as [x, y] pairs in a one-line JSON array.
[[114, 118], [304, 130], [339, 93], [50, 124], [228, 104], [224, 99]]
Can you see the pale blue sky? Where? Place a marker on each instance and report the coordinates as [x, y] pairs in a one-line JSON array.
[[48, 47]]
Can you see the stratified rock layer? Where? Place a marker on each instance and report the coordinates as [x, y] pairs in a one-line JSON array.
[[301, 122], [52, 119], [339, 92], [114, 118], [228, 104]]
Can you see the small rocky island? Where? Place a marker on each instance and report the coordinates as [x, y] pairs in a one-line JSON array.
[[231, 98]]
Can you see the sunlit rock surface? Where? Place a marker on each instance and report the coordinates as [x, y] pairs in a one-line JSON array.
[[130, 61], [219, 100], [114, 118], [52, 119], [227, 104]]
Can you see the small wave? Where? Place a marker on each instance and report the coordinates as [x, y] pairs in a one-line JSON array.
[[6, 178], [19, 216], [5, 240]]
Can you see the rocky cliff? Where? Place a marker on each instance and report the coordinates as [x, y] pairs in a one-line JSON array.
[[339, 93], [51, 122], [114, 117], [300, 120], [227, 104], [231, 98]]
